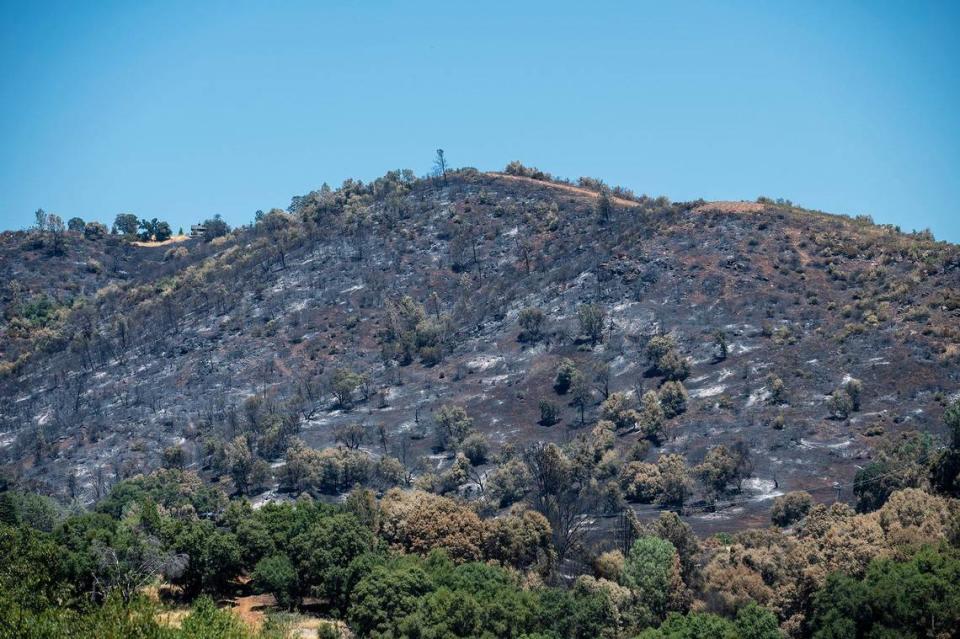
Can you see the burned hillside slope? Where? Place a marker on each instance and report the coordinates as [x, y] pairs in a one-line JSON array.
[[358, 320]]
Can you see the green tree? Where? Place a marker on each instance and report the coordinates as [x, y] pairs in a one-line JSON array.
[[213, 555], [675, 480], [580, 395], [531, 322], [323, 554], [549, 413], [344, 384], [604, 205], [673, 398], [277, 576], [162, 231], [919, 597], [214, 227], [126, 224], [651, 569], [94, 231], [720, 341], [452, 425], [386, 594], [566, 371], [592, 319]]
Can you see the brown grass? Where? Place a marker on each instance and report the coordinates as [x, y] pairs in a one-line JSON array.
[[173, 240], [729, 207], [569, 188]]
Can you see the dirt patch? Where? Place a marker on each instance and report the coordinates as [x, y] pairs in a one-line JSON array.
[[252, 609], [569, 188], [173, 240]]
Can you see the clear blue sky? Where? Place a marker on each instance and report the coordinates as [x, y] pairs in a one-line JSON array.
[[179, 110]]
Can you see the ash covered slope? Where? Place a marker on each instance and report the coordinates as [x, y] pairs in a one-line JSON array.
[[416, 286]]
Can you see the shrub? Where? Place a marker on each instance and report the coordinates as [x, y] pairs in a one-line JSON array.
[[591, 318], [508, 483], [451, 426], [658, 346], [566, 371], [617, 409], [840, 404], [777, 389], [94, 231], [673, 366], [652, 417], [652, 569], [531, 322], [673, 398], [641, 482], [476, 448], [215, 227], [854, 388], [549, 413], [791, 508], [343, 384]]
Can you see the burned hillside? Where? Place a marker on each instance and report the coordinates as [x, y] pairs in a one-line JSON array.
[[433, 332]]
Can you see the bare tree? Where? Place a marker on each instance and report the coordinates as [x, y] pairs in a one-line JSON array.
[[440, 165], [560, 495]]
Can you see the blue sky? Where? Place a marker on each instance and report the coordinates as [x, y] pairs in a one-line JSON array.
[[180, 110]]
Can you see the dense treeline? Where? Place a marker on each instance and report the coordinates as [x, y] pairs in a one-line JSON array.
[[413, 564]]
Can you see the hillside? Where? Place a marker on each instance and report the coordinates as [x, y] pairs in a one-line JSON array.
[[380, 304]]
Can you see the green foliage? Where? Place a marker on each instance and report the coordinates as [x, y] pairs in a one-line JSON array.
[[662, 353], [915, 598], [206, 621], [387, 593], [840, 404], [452, 425], [213, 554], [94, 231], [592, 319], [35, 511], [476, 448], [673, 398], [649, 569], [344, 384], [215, 227], [276, 575], [549, 413], [652, 417], [323, 554], [531, 322], [752, 622], [409, 332], [154, 229], [126, 224], [34, 574], [508, 482], [566, 372], [951, 417], [173, 489]]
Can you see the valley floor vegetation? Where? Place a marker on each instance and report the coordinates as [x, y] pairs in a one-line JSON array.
[[417, 564]]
